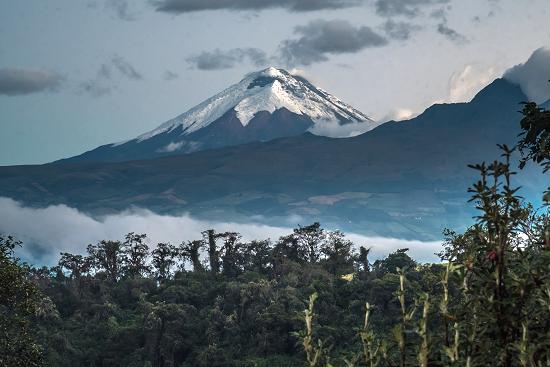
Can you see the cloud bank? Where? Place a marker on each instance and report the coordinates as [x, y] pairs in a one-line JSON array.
[[320, 38], [16, 81], [533, 75], [48, 231], [188, 6]]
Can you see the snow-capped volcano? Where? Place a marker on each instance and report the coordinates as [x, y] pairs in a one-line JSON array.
[[266, 90], [264, 105]]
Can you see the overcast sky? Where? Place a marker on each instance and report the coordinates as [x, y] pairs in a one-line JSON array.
[[78, 74]]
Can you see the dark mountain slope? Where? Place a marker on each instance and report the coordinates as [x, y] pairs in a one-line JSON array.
[[225, 131]]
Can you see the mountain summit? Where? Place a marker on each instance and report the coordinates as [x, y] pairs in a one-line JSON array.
[[264, 105]]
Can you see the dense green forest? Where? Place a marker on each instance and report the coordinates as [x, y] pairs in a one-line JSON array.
[[311, 298]]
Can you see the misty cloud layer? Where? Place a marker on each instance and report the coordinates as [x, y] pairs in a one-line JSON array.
[[533, 75], [48, 231], [18, 81]]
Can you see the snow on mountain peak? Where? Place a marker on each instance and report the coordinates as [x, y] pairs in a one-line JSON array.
[[272, 71], [266, 90]]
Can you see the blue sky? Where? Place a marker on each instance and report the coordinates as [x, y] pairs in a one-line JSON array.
[[78, 74]]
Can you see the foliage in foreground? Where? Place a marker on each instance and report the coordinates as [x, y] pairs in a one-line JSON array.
[[494, 305]]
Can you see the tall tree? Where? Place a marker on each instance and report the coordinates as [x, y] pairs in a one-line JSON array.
[[108, 256], [303, 245], [309, 240], [338, 254], [257, 256], [77, 265], [190, 250], [396, 260], [163, 260], [231, 258], [363, 259], [213, 251], [136, 253]]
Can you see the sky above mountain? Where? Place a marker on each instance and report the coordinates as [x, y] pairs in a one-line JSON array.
[[78, 74]]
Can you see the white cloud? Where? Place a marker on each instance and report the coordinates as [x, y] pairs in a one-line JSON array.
[[399, 114], [304, 73], [382, 246], [172, 147], [533, 75], [465, 83], [48, 231], [187, 146]]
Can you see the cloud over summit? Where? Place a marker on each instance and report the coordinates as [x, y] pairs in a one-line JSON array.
[[533, 75]]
